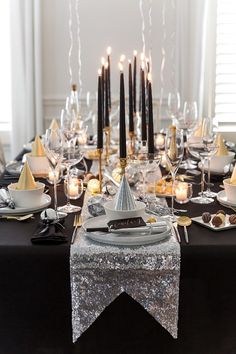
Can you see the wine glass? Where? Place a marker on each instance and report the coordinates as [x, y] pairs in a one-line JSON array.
[[208, 137], [68, 123], [202, 150], [71, 156], [174, 150], [53, 143], [187, 122], [173, 105], [73, 188]]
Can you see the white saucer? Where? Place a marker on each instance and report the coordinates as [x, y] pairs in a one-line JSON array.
[[123, 238], [221, 197], [45, 201]]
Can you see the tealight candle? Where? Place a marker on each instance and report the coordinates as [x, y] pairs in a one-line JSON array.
[[52, 175], [160, 140], [73, 188], [181, 192]]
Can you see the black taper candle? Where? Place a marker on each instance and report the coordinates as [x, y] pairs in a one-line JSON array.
[[140, 91], [106, 120], [134, 80], [122, 117], [131, 111], [144, 124], [109, 76], [102, 90], [150, 120], [100, 115]]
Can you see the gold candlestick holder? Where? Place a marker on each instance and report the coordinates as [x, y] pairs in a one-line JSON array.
[[99, 152], [132, 143], [123, 164], [107, 131]]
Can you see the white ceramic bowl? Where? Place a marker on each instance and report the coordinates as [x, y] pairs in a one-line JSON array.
[[218, 163], [26, 198], [113, 214], [230, 190]]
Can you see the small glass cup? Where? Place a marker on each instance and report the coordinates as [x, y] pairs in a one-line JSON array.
[[73, 188], [183, 192]]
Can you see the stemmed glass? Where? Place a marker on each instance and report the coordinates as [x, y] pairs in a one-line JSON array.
[[71, 153], [173, 105], [53, 142], [202, 150], [73, 188], [174, 150], [187, 122], [208, 137]]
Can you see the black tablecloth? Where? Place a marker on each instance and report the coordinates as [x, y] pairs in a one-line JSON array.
[[35, 305]]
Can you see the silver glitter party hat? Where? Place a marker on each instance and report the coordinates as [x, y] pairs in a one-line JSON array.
[[124, 199]]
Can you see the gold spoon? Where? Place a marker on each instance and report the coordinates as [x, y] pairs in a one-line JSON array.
[[184, 221]]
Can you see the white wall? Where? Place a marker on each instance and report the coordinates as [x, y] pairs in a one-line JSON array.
[[103, 23]]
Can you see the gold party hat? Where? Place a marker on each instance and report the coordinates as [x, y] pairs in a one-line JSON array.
[[26, 180], [222, 150], [54, 125], [37, 147], [233, 176]]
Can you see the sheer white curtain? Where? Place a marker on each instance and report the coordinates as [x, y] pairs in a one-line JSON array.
[[196, 45], [26, 72]]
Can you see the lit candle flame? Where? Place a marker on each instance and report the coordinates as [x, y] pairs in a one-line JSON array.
[[99, 72], [149, 77], [106, 65], [135, 53], [108, 50], [120, 66], [142, 65], [142, 56], [122, 58], [102, 60], [129, 61]]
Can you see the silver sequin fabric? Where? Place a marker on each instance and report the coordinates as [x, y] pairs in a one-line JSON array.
[[100, 273]]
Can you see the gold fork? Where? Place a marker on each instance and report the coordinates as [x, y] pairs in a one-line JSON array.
[[17, 217], [77, 223]]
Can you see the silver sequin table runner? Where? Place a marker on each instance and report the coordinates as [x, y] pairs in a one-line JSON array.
[[100, 273]]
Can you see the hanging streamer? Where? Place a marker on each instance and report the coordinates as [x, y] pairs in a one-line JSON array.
[[163, 51], [143, 26], [79, 48], [150, 33], [173, 44], [71, 42]]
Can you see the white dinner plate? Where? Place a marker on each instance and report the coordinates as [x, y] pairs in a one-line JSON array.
[[221, 197], [129, 239], [45, 201]]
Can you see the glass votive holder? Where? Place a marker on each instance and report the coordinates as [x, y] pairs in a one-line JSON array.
[[73, 187], [183, 192], [54, 174]]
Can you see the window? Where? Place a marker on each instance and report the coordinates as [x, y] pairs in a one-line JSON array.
[[5, 66], [225, 94]]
